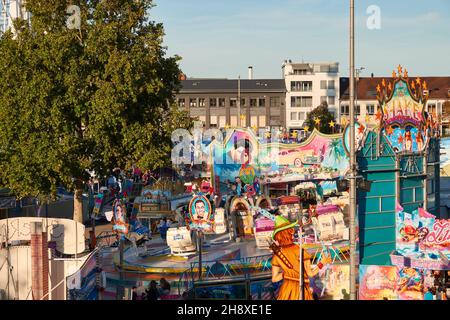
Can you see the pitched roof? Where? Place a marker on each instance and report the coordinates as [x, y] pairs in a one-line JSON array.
[[231, 85], [438, 87]]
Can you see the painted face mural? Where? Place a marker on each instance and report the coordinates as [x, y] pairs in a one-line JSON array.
[[403, 120], [200, 214]]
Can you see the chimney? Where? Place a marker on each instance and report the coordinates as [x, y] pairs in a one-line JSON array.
[[250, 73], [39, 261]]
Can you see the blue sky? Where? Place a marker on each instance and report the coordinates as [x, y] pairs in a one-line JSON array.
[[221, 38]]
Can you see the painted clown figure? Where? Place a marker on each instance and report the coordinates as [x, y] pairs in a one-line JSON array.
[[286, 262]]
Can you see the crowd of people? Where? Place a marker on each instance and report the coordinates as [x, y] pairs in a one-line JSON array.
[[154, 291], [435, 286]]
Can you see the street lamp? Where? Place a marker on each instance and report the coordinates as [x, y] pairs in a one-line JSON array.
[[352, 195]]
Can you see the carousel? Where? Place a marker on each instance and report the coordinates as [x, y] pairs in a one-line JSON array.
[[220, 243]]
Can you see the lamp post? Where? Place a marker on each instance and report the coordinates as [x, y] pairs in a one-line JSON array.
[[352, 196]]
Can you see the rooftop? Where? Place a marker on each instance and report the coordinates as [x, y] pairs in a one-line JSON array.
[[231, 85], [438, 87]]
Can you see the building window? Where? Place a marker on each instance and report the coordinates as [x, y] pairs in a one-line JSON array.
[[193, 102], [301, 116], [243, 102], [221, 102], [181, 102], [323, 99], [323, 84], [233, 121], [345, 110], [213, 121], [432, 109], [262, 102], [201, 102], [262, 121], [254, 121], [213, 102], [222, 121], [302, 102], [293, 116], [253, 103], [370, 109], [358, 110], [330, 84], [302, 86], [300, 71], [233, 102], [274, 101], [331, 100]]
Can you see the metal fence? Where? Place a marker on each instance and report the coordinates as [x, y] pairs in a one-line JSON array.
[[225, 270]]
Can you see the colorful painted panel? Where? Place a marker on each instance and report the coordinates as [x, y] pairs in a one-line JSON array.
[[200, 214], [245, 162], [82, 285], [391, 283], [402, 116], [420, 231], [333, 283]]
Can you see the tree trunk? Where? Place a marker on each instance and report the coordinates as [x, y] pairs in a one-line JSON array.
[[78, 205]]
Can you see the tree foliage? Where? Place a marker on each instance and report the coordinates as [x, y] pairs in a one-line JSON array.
[[92, 98], [324, 115]]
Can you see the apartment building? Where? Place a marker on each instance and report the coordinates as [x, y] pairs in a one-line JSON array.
[[307, 86], [215, 102], [366, 102], [10, 10]]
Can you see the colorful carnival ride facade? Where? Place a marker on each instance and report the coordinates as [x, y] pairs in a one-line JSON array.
[[219, 246], [402, 241]]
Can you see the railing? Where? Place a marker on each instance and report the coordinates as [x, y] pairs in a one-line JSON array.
[[223, 270]]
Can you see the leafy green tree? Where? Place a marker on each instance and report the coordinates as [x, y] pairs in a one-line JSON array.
[[322, 114], [88, 98]]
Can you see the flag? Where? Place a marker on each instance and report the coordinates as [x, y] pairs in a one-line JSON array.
[[398, 207], [425, 214]]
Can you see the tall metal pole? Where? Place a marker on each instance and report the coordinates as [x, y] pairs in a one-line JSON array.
[[239, 103], [300, 272], [199, 241], [119, 292], [353, 271]]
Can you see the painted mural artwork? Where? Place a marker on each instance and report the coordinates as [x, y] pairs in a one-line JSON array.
[[421, 231], [333, 283], [445, 157], [402, 115], [243, 156], [120, 224], [422, 241], [391, 283], [200, 214], [360, 133]]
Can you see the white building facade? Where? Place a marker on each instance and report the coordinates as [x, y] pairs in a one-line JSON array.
[[308, 85], [10, 10]]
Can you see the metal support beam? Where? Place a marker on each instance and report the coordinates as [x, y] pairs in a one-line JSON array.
[[352, 206]]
